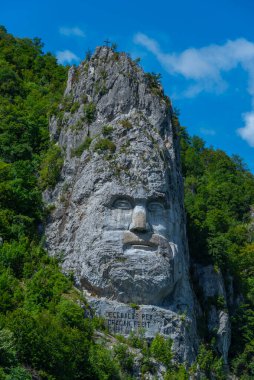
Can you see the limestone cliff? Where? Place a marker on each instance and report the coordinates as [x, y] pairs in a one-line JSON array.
[[118, 220]]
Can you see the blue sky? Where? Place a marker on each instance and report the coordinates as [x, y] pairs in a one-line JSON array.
[[203, 49]]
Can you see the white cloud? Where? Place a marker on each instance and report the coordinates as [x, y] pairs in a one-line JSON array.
[[247, 132], [66, 56], [205, 65], [203, 68], [76, 31]]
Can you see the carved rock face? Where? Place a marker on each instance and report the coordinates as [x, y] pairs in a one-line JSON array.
[[119, 221], [121, 228], [122, 234], [128, 253]]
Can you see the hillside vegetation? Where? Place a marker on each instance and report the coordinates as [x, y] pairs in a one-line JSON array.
[[42, 328], [43, 332], [219, 194]]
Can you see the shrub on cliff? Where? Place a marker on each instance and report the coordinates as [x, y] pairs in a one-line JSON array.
[[105, 144], [51, 167]]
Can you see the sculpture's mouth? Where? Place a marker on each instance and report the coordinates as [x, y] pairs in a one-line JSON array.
[[142, 243], [140, 246]]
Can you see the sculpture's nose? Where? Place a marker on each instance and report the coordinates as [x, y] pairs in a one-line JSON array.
[[139, 220]]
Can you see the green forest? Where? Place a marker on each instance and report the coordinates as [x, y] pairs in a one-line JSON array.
[[47, 331]]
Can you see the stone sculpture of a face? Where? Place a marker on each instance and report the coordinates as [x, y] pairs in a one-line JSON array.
[[128, 251]]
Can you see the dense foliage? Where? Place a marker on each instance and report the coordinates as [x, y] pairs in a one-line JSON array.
[[31, 84], [219, 194]]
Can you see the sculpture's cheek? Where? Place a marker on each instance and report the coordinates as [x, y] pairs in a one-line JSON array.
[[118, 219]]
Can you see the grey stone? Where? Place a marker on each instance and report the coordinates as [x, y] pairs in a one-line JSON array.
[[211, 283], [122, 319], [119, 220]]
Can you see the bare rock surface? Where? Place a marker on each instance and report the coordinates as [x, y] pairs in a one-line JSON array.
[[214, 295], [118, 221]]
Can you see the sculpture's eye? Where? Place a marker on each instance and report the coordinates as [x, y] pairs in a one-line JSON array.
[[123, 204], [155, 206]]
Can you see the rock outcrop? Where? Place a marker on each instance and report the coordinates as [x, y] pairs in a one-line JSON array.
[[118, 220], [214, 296]]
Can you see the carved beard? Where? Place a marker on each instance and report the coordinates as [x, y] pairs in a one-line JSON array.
[[118, 266]]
